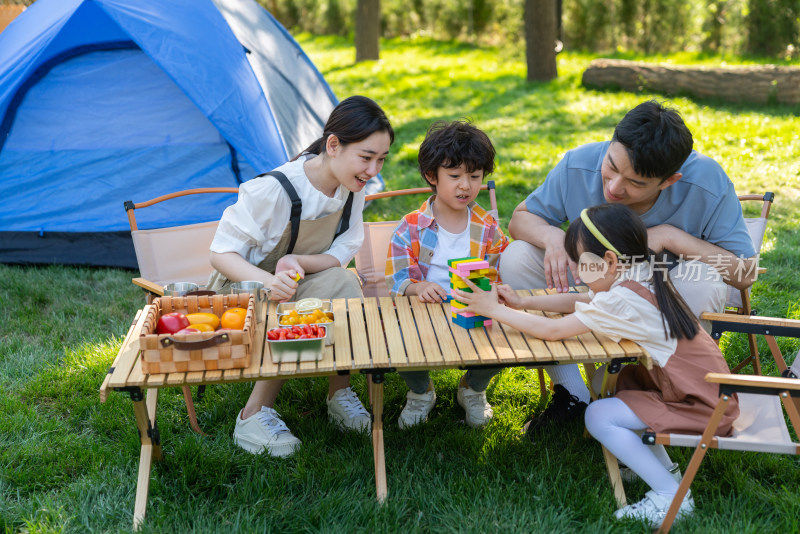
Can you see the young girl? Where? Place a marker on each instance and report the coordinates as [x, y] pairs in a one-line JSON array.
[[628, 299], [304, 220]]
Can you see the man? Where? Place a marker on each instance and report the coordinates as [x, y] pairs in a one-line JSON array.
[[684, 198]]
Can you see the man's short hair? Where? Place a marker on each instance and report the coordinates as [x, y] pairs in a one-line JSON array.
[[450, 144], [656, 139]]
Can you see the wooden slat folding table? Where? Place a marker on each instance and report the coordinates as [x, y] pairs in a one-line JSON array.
[[371, 336]]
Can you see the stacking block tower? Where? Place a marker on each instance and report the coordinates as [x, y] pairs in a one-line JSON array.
[[476, 270]]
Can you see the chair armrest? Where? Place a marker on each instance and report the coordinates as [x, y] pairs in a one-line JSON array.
[[147, 285], [750, 381], [751, 324]]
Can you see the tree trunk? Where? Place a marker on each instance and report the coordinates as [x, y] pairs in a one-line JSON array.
[[758, 84], [540, 39], [367, 29]]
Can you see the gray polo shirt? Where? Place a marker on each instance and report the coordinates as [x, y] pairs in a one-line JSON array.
[[702, 203]]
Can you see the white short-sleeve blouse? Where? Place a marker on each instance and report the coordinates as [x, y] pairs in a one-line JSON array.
[[620, 313]]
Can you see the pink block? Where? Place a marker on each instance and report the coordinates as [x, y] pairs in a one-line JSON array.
[[487, 322], [472, 265], [461, 313]]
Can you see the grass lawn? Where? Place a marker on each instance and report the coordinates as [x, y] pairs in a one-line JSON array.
[[68, 463]]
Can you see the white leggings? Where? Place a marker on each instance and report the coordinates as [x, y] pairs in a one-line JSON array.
[[618, 429]]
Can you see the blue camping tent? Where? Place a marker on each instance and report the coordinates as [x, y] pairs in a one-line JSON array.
[[103, 101]]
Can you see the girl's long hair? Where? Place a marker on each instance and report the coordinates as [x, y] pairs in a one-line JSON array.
[[353, 120], [627, 233]]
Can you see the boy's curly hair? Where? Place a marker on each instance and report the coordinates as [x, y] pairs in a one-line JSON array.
[[450, 144]]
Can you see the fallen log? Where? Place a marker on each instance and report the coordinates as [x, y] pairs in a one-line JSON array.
[[761, 84]]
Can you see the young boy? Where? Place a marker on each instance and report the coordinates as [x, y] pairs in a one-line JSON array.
[[453, 160]]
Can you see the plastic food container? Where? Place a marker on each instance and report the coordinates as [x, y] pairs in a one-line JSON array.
[[285, 308], [296, 350]]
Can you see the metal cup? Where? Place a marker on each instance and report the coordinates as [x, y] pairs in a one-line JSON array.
[[179, 289], [257, 290]]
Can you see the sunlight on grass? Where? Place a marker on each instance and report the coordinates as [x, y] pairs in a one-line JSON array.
[[68, 463]]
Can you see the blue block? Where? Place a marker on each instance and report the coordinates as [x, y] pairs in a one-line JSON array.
[[469, 322]]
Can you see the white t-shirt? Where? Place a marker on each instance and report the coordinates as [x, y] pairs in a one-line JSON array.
[[253, 226], [448, 246]]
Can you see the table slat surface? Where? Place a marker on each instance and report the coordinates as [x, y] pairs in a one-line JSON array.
[[384, 333]]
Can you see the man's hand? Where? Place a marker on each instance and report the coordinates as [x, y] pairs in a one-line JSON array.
[[427, 292], [556, 263], [526, 226]]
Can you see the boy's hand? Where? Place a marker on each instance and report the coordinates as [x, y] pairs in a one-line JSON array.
[[427, 292], [509, 297], [479, 301]]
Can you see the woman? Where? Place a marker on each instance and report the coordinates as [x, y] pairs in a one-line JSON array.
[[258, 238]]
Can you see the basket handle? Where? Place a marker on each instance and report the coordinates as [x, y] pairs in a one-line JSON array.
[[196, 345]]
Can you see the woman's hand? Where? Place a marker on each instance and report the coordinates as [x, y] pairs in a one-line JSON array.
[[509, 297], [480, 302], [284, 283]]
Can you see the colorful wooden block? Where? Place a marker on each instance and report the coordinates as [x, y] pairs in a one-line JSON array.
[[483, 283], [456, 261], [471, 265], [469, 322]]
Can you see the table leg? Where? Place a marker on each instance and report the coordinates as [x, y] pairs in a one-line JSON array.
[[376, 388], [145, 411], [612, 465]]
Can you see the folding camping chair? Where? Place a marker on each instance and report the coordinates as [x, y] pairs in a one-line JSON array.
[[172, 254], [738, 300], [371, 257], [760, 427]]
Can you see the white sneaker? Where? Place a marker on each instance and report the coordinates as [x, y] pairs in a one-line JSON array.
[[417, 408], [477, 410], [264, 430], [346, 410], [653, 509], [628, 475]]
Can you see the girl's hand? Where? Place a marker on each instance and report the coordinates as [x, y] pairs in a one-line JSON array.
[[479, 301], [509, 297], [288, 273]]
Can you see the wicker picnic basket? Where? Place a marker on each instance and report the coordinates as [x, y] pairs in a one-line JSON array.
[[200, 351]]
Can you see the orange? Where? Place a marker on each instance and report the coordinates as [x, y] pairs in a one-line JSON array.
[[233, 318]]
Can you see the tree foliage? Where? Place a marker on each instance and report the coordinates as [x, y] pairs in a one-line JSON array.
[[762, 27]]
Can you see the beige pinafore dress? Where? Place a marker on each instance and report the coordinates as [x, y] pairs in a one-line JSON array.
[[313, 237]]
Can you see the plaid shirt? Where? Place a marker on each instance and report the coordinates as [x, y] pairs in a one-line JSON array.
[[415, 238]]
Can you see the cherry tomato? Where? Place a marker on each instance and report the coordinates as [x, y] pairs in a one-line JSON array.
[[272, 335]]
